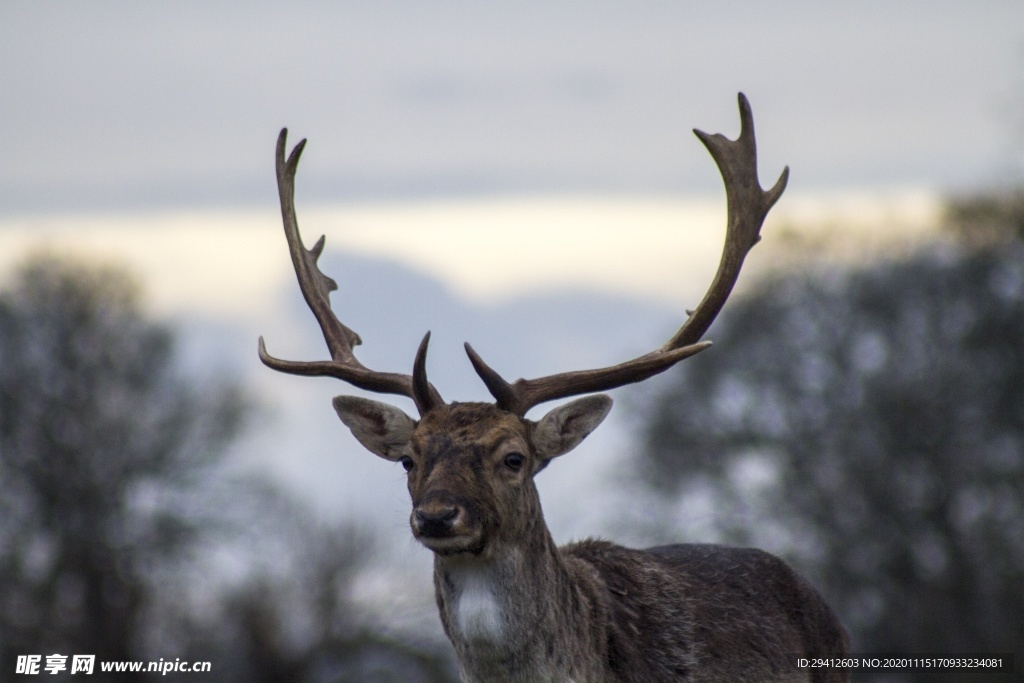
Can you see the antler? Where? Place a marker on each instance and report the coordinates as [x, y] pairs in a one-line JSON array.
[[747, 205], [316, 288]]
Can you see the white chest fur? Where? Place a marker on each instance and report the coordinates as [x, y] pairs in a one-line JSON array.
[[477, 606]]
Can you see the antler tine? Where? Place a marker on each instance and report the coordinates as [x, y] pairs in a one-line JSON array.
[[523, 394], [423, 392], [316, 288], [748, 205]]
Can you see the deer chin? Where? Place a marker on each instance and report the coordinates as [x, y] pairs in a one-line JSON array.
[[447, 546]]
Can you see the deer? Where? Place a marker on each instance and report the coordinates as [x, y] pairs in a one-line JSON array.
[[517, 607]]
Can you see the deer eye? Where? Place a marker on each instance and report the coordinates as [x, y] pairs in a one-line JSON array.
[[514, 461], [407, 463]]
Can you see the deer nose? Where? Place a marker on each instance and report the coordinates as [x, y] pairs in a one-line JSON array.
[[435, 520]]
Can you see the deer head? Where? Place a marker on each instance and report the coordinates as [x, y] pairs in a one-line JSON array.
[[471, 465]]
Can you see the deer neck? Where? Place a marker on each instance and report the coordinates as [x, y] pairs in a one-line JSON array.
[[516, 614]]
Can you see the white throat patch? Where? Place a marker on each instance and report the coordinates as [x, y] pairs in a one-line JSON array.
[[478, 613]]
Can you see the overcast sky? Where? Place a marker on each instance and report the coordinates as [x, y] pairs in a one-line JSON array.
[[155, 104], [454, 119]]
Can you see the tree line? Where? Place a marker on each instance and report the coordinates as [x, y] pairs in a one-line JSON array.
[[868, 424], [115, 507]]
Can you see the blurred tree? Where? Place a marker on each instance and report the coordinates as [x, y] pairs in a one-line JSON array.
[[101, 442], [296, 618], [869, 425], [116, 521], [987, 218]]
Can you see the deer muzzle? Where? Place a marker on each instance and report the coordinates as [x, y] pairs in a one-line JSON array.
[[445, 526], [436, 521]]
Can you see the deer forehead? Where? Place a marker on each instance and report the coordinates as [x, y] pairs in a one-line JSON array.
[[477, 428]]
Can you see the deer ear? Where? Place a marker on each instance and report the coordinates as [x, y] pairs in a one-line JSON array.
[[562, 429], [383, 429]]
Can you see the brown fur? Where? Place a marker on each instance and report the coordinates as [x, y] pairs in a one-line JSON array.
[[518, 608]]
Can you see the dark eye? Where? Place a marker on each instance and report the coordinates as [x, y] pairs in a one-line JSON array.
[[407, 463], [514, 461]]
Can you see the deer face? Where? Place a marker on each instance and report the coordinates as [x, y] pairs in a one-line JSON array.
[[471, 465]]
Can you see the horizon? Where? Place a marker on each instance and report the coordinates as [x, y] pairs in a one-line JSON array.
[[663, 250]]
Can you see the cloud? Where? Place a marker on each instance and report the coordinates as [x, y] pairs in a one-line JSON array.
[[149, 104]]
